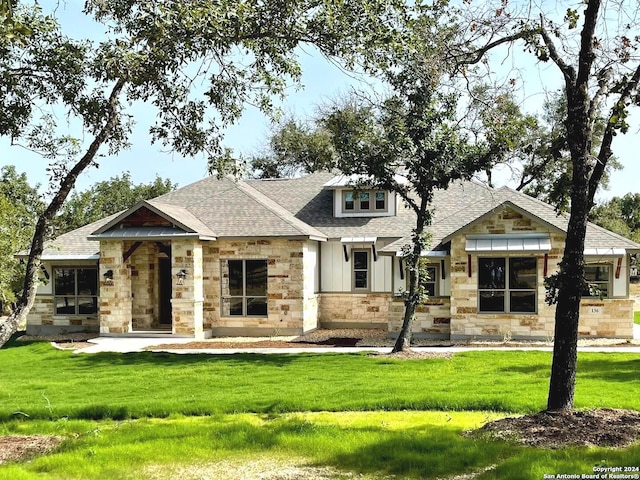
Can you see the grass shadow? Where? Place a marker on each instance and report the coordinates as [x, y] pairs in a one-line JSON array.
[[610, 367], [425, 452], [13, 342], [165, 359]]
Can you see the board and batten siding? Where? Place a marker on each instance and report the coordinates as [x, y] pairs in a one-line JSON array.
[[444, 285], [336, 273]]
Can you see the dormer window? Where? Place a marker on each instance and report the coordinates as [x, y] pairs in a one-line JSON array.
[[370, 201]]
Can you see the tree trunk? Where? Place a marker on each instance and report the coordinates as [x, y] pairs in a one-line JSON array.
[[10, 326], [403, 342], [565, 346], [571, 282]]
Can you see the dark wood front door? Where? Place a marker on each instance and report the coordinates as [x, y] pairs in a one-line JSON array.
[[164, 267]]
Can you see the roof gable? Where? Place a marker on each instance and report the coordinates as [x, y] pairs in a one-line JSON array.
[[508, 211], [150, 215]]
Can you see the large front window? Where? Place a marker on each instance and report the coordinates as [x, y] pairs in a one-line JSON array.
[[245, 289], [75, 291], [507, 284]]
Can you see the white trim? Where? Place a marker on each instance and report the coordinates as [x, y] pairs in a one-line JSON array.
[[607, 251], [95, 256], [358, 239]]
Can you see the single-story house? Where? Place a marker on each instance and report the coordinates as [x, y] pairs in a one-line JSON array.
[[284, 257]]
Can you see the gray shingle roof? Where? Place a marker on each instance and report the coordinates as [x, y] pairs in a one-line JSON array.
[[468, 206], [302, 207], [74, 244]]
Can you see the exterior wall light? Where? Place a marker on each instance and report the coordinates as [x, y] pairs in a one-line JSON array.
[[181, 275], [108, 277]]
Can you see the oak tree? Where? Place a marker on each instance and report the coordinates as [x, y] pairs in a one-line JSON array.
[[593, 47]]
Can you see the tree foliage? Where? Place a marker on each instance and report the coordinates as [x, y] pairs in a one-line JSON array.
[[10, 28], [20, 205], [620, 215], [293, 149], [107, 197]]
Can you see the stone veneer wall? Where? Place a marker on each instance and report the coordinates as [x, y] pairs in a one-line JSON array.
[[187, 301], [467, 323], [432, 319], [634, 293], [144, 303], [286, 309], [115, 299], [42, 321], [354, 310], [606, 318]]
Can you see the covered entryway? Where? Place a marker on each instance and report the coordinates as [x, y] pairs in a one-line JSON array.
[[151, 273]]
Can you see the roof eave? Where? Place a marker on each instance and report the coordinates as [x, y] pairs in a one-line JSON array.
[[137, 206], [188, 235]]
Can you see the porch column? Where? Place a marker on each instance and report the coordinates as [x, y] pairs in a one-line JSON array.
[[115, 293], [188, 298]]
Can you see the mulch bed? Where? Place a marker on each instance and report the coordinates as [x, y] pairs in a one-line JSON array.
[[602, 427], [22, 447]]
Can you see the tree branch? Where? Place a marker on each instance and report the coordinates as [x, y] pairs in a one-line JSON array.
[[605, 151], [480, 53], [567, 70], [587, 57], [604, 76]]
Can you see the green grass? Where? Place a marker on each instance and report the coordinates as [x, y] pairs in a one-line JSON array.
[[363, 414], [374, 444], [45, 383], [636, 317]]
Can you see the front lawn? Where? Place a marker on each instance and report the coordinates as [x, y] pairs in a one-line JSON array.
[[207, 416], [37, 381], [636, 317]]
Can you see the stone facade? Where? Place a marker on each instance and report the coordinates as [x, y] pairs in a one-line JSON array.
[[597, 318], [115, 296], [432, 319], [144, 300], [634, 294], [354, 310], [466, 322], [606, 318], [291, 301], [188, 294], [43, 321]]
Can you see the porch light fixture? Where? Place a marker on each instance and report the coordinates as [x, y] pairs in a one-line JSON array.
[[182, 274], [108, 277]]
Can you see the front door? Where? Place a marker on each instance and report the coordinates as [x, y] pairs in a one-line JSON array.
[[164, 274]]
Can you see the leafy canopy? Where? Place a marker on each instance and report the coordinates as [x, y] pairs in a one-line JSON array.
[[106, 198]]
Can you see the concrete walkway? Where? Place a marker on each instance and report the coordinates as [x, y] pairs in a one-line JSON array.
[[139, 344]]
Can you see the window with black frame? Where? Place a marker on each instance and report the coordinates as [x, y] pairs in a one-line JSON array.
[[75, 291], [507, 284], [246, 294], [598, 279], [368, 201], [361, 269]]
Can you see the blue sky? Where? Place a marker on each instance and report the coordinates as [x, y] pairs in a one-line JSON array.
[[321, 81]]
